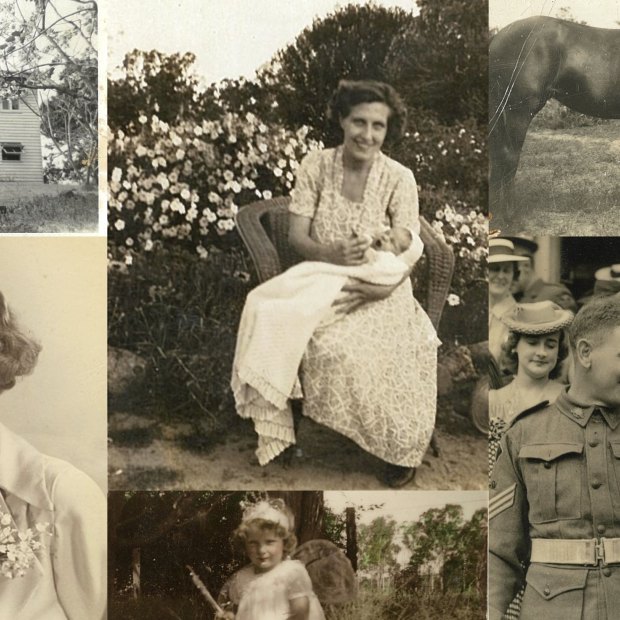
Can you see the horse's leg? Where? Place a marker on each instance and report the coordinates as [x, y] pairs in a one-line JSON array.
[[505, 145]]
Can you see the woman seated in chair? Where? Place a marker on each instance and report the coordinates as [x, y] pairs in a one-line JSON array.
[[48, 501], [372, 375]]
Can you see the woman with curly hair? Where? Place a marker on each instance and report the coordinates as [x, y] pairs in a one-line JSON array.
[[61, 575], [372, 375], [533, 352]]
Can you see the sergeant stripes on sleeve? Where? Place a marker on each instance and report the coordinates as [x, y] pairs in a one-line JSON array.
[[502, 501]]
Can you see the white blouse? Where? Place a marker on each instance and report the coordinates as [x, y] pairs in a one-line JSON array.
[[68, 580]]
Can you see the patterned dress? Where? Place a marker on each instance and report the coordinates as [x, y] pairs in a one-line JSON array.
[[371, 376]]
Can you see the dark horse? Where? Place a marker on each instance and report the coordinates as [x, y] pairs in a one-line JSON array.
[[533, 60]]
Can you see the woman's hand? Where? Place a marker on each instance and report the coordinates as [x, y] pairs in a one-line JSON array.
[[349, 251], [226, 615], [359, 293]]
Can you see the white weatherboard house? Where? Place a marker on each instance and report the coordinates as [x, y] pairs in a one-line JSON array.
[[20, 140]]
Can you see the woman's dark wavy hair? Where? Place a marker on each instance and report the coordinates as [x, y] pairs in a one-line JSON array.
[[353, 92], [18, 352], [510, 361]]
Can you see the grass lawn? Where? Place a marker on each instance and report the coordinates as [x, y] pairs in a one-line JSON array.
[[567, 183], [47, 208], [371, 604]]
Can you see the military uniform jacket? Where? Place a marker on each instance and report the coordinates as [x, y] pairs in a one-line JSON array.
[[557, 476]]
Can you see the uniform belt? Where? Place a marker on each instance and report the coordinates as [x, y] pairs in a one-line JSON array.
[[588, 552]]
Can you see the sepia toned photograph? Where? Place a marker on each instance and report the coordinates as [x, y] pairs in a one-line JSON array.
[[297, 241], [48, 116], [554, 117], [52, 434], [555, 338], [340, 555]]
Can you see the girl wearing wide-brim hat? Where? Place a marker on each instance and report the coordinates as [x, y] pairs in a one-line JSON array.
[[534, 350], [503, 263]]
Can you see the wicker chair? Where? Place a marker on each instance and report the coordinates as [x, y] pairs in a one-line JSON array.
[[263, 226]]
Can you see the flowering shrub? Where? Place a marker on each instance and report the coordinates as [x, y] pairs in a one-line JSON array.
[[184, 183], [450, 157], [465, 230], [17, 549]]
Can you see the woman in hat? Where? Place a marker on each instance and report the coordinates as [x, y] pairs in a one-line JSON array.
[[502, 272], [533, 351], [52, 516]]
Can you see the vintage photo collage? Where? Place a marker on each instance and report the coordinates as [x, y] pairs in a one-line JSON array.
[[309, 311]]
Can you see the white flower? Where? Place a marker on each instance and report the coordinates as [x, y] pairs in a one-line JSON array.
[[117, 175], [453, 300], [119, 224], [267, 195], [142, 119], [177, 205]]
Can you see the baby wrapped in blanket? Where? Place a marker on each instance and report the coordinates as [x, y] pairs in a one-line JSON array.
[[278, 320]]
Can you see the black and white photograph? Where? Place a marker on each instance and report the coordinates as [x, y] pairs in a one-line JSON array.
[[48, 116], [554, 116], [555, 339], [53, 556], [340, 555], [260, 171]]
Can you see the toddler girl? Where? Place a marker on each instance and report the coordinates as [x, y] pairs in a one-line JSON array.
[[271, 587]]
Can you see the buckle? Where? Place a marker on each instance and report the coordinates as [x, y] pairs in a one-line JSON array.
[[599, 551]]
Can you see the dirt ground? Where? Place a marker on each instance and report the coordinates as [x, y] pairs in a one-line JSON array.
[[145, 454]]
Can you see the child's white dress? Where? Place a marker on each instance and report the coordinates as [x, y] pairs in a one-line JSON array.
[[266, 596]]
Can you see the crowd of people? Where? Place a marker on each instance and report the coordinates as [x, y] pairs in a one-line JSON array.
[[554, 440]]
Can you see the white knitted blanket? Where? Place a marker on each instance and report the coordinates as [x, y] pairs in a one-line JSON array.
[[277, 322]]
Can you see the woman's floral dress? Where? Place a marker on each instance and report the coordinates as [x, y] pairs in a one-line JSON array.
[[372, 375]]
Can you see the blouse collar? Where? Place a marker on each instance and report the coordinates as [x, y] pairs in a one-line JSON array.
[[22, 471], [373, 174], [502, 306]]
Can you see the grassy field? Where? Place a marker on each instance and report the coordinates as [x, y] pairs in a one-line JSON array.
[[47, 209], [370, 605], [567, 183]]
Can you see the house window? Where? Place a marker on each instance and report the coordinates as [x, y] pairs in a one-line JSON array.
[[12, 151], [10, 104]]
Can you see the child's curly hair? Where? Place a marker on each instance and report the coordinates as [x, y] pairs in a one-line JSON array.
[[18, 352], [287, 534]]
